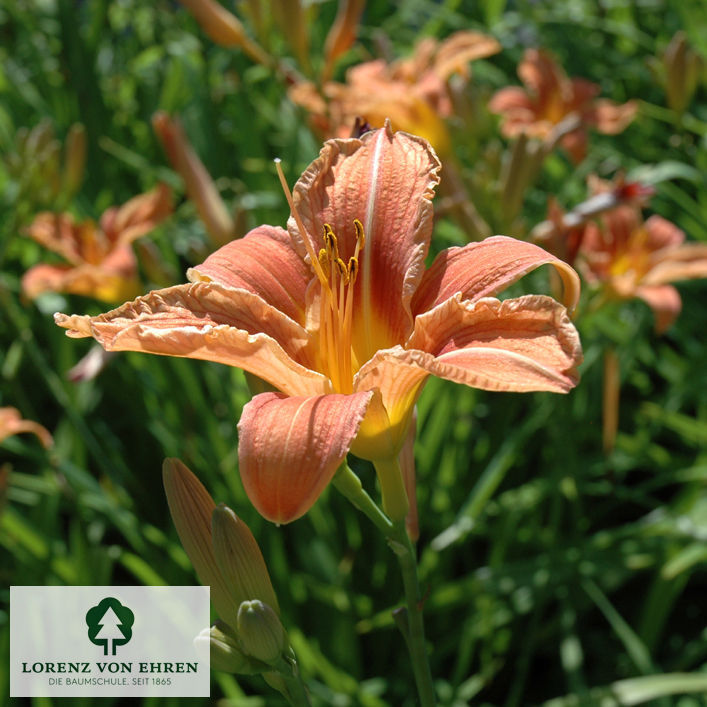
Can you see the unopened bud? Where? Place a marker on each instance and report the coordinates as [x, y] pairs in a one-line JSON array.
[[239, 559], [222, 649], [260, 631]]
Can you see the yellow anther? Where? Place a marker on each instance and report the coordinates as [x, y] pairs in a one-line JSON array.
[[324, 261], [353, 270], [331, 242], [343, 270], [360, 235]]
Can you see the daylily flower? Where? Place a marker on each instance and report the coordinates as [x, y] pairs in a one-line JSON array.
[[411, 92], [339, 315], [628, 257], [551, 98], [562, 232], [101, 262], [12, 423]]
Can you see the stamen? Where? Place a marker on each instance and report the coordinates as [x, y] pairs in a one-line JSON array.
[[324, 262], [360, 235], [302, 230], [353, 270], [343, 271]]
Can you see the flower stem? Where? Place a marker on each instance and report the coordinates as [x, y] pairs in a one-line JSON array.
[[411, 623], [286, 679], [415, 634], [349, 485]]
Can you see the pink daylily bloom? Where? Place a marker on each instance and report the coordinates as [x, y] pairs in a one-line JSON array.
[[550, 97], [630, 257], [339, 315], [100, 259]]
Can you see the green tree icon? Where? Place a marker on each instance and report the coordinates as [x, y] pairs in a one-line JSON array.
[[110, 624]]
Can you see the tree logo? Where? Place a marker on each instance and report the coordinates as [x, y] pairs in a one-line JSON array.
[[110, 624]]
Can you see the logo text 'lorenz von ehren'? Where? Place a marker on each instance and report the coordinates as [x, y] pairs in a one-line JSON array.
[[110, 624], [108, 641]]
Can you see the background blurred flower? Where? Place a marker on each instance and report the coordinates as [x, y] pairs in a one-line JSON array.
[[550, 98], [12, 423], [411, 92], [101, 262], [629, 257]]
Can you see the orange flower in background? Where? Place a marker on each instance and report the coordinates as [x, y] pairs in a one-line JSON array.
[[562, 233], [339, 315], [411, 92], [11, 423], [550, 97], [629, 257], [101, 262]]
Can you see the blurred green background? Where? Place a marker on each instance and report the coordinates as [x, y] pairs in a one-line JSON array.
[[551, 570]]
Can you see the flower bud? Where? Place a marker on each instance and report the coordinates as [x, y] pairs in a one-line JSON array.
[[224, 654], [191, 506], [240, 560], [260, 631], [198, 182]]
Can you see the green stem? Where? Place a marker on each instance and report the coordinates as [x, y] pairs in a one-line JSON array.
[[286, 679], [415, 636], [350, 486]]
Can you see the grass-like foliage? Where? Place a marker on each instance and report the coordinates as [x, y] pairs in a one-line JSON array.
[[562, 538]]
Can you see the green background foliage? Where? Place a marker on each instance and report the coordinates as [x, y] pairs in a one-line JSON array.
[[550, 569]]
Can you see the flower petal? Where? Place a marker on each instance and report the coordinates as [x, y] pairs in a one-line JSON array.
[[60, 234], [663, 234], [290, 448], [210, 322], [455, 52], [485, 268], [12, 423], [510, 100], [612, 118], [522, 344], [137, 216], [87, 280], [542, 75], [665, 302], [386, 181], [686, 262], [265, 263]]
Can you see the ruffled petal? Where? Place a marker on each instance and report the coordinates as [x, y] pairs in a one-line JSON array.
[[386, 181], [209, 322], [522, 344], [485, 268], [265, 263], [290, 448], [665, 302]]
